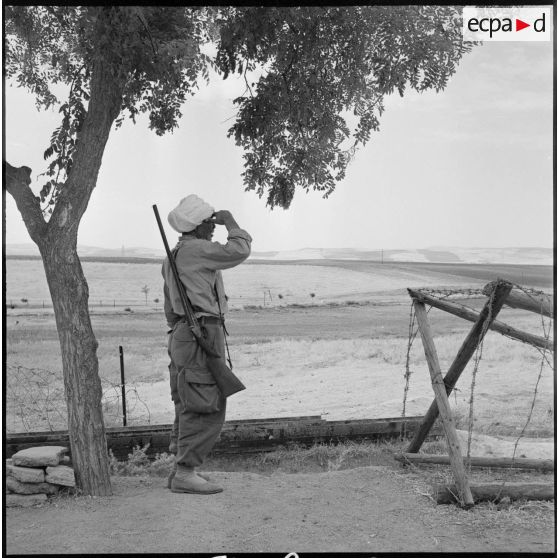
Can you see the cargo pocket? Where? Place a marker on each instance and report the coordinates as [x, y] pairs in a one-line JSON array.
[[198, 391]]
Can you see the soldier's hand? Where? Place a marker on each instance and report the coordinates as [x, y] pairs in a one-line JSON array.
[[221, 217], [225, 217]]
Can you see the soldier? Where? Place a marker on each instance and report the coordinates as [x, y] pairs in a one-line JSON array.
[[199, 405]]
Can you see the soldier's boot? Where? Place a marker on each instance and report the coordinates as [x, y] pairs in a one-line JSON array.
[[173, 473], [187, 481]]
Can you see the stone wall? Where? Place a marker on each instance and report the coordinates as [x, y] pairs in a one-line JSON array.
[[34, 474]]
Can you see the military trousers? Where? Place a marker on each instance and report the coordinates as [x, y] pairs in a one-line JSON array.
[[199, 405]]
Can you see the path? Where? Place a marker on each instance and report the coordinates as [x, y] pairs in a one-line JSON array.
[[364, 509]]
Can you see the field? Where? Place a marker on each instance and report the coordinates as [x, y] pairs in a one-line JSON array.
[[341, 353], [268, 283]]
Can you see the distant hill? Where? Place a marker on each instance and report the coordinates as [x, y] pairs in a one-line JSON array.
[[439, 254], [434, 254]]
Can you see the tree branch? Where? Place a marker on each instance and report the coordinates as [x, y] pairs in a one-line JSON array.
[[17, 182], [148, 33], [104, 105]]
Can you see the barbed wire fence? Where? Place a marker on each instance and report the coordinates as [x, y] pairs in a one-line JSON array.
[[464, 294], [35, 401], [546, 325], [260, 298]]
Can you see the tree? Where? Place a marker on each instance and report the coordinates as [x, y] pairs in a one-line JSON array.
[[306, 70]]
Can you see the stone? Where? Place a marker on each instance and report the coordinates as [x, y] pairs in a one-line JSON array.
[[24, 474], [18, 500], [13, 485], [61, 474], [41, 456]]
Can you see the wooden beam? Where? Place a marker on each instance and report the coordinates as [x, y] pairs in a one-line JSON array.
[[448, 423], [540, 303], [495, 462], [447, 494], [472, 316], [240, 436], [466, 351]]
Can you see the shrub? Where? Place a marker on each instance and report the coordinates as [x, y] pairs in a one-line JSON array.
[[139, 463]]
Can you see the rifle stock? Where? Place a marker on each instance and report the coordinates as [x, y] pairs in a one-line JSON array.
[[226, 381]]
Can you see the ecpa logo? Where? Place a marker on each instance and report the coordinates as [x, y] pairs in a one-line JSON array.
[[507, 24]]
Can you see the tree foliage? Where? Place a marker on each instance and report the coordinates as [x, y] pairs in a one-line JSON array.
[[315, 77], [153, 52], [321, 65]]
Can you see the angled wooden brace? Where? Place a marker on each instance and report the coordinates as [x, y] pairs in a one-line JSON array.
[[475, 336], [448, 423]]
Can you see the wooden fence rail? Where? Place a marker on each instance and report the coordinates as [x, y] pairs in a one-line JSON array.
[[492, 462], [540, 303], [472, 316]]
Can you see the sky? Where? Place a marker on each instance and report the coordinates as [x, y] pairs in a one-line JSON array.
[[470, 166]]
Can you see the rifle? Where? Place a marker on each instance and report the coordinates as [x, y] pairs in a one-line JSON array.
[[227, 382]]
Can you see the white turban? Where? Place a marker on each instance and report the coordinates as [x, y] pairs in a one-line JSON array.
[[189, 213]]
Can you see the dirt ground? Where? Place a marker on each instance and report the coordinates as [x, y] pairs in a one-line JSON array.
[[374, 508]]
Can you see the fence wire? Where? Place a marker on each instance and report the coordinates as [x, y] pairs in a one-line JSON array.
[[536, 296], [35, 401]]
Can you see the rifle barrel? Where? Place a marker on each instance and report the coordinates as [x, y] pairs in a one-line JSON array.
[[227, 382]]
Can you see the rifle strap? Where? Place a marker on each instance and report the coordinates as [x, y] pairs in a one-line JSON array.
[[225, 332], [174, 253]]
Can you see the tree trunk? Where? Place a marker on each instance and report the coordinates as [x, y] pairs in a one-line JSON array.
[[57, 242], [80, 365]]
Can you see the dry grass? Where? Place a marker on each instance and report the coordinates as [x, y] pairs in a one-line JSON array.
[[293, 458]]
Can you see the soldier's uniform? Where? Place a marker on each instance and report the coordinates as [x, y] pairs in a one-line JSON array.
[[199, 405]]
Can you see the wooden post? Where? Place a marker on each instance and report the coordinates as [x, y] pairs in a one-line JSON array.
[[495, 462], [463, 356], [468, 314], [448, 424], [540, 303], [123, 385]]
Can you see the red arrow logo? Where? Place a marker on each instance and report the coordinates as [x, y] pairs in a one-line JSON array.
[[519, 25]]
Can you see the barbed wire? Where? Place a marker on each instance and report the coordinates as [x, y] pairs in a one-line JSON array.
[[537, 297], [544, 360], [478, 357], [466, 292], [412, 335], [534, 294], [34, 397], [112, 403], [35, 400]]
